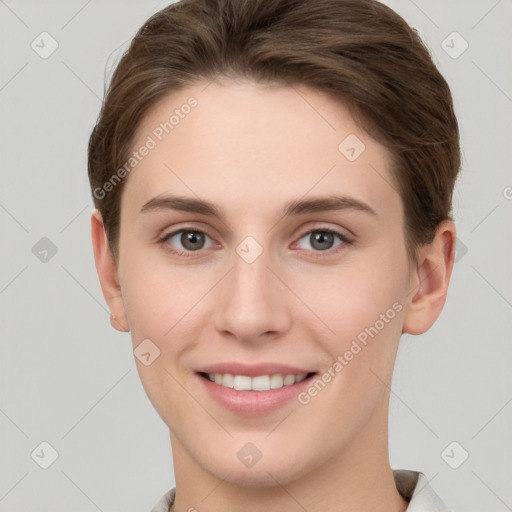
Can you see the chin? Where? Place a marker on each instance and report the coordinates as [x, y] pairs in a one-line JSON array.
[[264, 477], [279, 470]]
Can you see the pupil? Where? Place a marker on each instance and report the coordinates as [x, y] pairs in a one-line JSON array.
[[322, 237], [190, 239]]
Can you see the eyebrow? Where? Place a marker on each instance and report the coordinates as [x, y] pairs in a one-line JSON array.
[[292, 208]]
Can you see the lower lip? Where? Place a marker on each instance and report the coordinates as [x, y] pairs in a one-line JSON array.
[[253, 403]]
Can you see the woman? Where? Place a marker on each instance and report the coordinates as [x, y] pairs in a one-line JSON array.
[[273, 184]]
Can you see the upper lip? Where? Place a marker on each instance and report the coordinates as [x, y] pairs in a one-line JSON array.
[[253, 370]]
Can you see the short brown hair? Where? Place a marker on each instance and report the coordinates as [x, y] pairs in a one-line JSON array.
[[360, 52]]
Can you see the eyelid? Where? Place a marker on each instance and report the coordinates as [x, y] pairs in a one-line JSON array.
[[342, 232], [203, 228]]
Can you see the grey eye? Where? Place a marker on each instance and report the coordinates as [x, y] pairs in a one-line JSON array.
[[321, 240], [190, 240]]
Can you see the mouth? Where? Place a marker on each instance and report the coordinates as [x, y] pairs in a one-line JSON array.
[[256, 383], [253, 390]]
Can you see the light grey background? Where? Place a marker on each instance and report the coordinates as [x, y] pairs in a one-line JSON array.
[[69, 379]]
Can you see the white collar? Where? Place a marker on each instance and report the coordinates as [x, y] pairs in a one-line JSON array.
[[415, 488]]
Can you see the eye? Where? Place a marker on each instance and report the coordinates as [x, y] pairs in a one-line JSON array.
[[186, 242], [190, 240], [322, 240]]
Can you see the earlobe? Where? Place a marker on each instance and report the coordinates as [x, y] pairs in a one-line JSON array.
[[116, 324], [430, 281], [107, 273]]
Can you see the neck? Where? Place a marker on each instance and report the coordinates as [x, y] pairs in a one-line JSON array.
[[357, 478]]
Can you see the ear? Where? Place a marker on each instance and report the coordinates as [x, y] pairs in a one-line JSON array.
[[430, 280], [107, 273]]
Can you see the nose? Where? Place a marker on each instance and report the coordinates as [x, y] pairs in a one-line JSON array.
[[252, 304]]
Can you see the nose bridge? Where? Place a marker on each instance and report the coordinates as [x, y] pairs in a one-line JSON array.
[[251, 303]]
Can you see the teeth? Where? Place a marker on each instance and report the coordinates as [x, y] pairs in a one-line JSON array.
[[276, 381], [261, 383], [226, 380], [242, 383], [258, 383]]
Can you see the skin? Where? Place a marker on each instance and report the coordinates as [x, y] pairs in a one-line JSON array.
[[250, 149]]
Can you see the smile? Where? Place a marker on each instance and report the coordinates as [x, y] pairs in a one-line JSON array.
[[253, 390], [256, 383]]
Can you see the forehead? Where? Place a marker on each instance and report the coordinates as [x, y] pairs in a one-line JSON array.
[[242, 143]]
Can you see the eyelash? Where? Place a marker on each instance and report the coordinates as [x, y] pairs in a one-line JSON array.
[[316, 254]]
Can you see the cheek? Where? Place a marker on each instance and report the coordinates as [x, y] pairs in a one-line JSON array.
[[365, 311], [353, 298], [159, 303], [361, 309], [156, 295]]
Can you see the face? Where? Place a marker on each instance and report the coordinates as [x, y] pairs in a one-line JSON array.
[[292, 276]]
